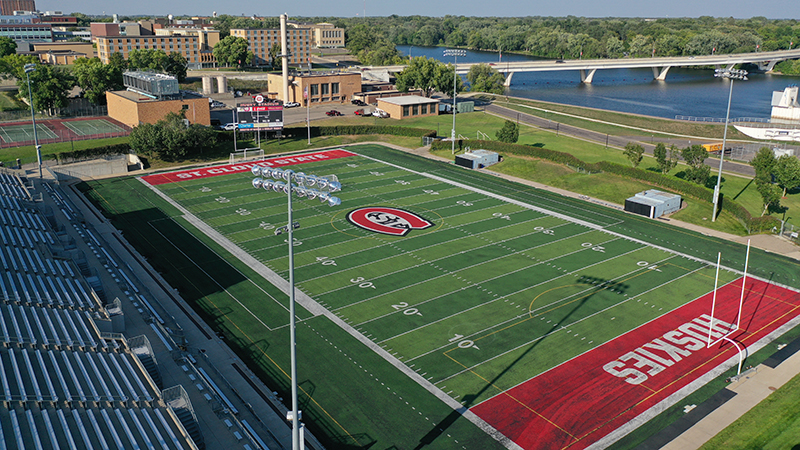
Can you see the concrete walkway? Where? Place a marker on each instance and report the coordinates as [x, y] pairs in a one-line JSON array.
[[750, 390]]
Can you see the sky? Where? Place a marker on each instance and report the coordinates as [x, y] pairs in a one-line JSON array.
[[773, 9]]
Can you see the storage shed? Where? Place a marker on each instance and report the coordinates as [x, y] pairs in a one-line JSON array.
[[653, 203], [477, 159]]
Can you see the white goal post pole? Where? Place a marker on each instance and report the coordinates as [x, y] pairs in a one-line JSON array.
[[744, 280], [714, 301]]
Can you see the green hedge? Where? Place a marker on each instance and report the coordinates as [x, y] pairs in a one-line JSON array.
[[685, 188], [341, 130], [91, 153]]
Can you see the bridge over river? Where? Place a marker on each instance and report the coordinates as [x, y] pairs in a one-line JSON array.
[[588, 67]]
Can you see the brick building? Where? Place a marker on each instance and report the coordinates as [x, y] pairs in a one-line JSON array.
[[132, 108], [260, 41], [409, 106], [322, 87], [7, 7]]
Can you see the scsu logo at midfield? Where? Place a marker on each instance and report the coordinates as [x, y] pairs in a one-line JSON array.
[[385, 220]]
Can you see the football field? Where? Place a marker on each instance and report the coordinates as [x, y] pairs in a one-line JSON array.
[[493, 304]]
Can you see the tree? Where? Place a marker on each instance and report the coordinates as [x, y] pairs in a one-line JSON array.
[[787, 172], [233, 50], [12, 66], [509, 133], [170, 139], [665, 161], [420, 73], [50, 86], [634, 153], [764, 163], [94, 78], [175, 64], [147, 59], [484, 78], [7, 46], [275, 60], [770, 194], [694, 156]]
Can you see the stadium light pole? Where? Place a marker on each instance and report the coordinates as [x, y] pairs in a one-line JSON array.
[[455, 53], [301, 185], [28, 69], [731, 74]]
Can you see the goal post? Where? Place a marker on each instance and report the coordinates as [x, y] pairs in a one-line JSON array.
[[732, 327], [247, 154]]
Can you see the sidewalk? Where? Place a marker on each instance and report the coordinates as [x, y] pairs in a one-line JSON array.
[[749, 390]]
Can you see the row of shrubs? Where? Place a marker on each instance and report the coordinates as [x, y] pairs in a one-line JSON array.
[[341, 130], [91, 153], [671, 183]]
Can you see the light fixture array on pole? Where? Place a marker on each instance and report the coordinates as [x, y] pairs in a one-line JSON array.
[[28, 69], [732, 74], [312, 187], [455, 53]]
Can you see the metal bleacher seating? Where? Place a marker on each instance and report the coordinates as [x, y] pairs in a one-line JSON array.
[[63, 382]]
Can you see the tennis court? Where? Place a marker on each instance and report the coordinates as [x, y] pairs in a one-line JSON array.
[[89, 127], [22, 133]]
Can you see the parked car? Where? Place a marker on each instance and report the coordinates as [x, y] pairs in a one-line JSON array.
[[380, 113], [334, 113], [229, 127], [291, 105], [361, 112], [358, 103]]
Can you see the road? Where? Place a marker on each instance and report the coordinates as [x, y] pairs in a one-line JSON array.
[[742, 169]]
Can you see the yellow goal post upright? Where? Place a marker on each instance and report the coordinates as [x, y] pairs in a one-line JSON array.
[[738, 314]]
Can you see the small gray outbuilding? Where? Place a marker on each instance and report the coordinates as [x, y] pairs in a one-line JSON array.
[[653, 203], [477, 159]]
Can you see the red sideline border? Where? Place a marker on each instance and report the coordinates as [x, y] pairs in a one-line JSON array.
[[205, 172], [576, 404]]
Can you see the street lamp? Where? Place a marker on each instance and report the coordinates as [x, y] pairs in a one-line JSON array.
[[302, 185], [28, 69], [732, 74], [455, 53]]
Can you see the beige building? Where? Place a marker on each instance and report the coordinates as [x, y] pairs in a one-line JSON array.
[[323, 35], [409, 106], [322, 87], [132, 108], [261, 41], [191, 46], [61, 53]]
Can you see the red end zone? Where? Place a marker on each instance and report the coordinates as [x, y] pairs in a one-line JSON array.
[[581, 401], [205, 172]]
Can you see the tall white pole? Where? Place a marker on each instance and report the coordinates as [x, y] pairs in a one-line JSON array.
[[455, 93], [721, 156], [292, 325], [714, 301], [744, 281], [28, 69], [284, 61]]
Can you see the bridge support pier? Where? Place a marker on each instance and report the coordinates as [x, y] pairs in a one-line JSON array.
[[587, 78], [660, 73], [507, 83], [767, 66]]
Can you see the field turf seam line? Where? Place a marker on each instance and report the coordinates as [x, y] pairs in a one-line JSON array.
[[224, 289], [471, 284], [626, 300], [428, 262], [517, 317]]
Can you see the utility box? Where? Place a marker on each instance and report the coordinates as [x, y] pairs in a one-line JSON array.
[[653, 203], [465, 107], [477, 159]]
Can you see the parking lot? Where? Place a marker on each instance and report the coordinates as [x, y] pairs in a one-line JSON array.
[[292, 116]]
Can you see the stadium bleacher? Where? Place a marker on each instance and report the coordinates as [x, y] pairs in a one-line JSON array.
[[63, 382]]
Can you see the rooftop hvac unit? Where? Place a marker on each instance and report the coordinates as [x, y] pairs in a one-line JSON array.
[[156, 85]]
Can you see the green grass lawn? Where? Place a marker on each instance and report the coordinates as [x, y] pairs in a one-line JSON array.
[[772, 424]]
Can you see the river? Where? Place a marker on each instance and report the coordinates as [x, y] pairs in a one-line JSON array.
[[685, 92]]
